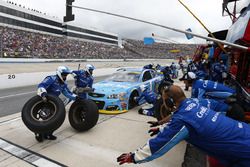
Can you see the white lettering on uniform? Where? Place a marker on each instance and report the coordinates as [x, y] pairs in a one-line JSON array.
[[202, 111], [215, 85], [190, 106], [214, 119], [240, 125]]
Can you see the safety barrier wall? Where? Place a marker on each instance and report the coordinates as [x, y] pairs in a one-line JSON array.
[[26, 79]]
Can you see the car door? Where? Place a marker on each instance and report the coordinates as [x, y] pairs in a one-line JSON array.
[[151, 80]]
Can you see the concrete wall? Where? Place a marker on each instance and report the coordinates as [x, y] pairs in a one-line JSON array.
[[26, 79]]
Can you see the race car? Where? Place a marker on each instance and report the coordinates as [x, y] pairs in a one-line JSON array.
[[117, 93]]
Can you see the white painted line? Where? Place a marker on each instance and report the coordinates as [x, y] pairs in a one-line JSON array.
[[41, 162], [9, 121], [28, 156], [19, 94]]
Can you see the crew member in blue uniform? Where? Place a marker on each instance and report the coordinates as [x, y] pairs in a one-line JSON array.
[[226, 139], [84, 79], [166, 73], [148, 66], [150, 97], [54, 85], [210, 88], [229, 108], [218, 71]]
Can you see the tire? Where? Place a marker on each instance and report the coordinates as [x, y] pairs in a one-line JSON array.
[[36, 121], [131, 102], [83, 115]]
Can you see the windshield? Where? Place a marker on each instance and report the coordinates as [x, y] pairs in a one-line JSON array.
[[125, 77]]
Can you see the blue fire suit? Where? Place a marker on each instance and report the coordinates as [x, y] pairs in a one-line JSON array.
[[217, 70], [151, 98], [166, 73], [83, 79], [210, 88], [226, 139], [213, 104], [54, 86]]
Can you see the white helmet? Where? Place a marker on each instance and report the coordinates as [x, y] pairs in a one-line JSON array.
[[90, 68], [62, 72], [191, 75]]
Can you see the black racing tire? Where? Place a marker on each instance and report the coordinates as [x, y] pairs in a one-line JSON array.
[[39, 123], [131, 102], [83, 115]]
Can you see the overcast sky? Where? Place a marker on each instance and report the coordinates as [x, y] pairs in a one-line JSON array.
[[165, 12]]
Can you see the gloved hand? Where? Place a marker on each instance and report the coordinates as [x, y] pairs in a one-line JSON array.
[[125, 158], [153, 123], [78, 98], [153, 131]]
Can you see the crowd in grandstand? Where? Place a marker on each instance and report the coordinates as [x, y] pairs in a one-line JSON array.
[[20, 43]]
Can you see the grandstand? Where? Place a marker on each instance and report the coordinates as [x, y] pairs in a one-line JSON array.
[[31, 33]]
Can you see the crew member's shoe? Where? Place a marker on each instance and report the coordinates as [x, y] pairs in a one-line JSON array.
[[39, 137], [50, 137], [140, 111]]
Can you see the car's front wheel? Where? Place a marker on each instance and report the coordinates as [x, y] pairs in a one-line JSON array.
[[131, 102]]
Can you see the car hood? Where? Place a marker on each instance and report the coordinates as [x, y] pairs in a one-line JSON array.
[[109, 87]]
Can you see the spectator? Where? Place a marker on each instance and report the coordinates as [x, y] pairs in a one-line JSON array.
[[19, 43]]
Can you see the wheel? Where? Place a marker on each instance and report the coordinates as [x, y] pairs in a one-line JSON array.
[[83, 115], [42, 117], [131, 102]]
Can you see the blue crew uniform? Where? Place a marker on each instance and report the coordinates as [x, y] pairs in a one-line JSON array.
[[83, 79], [166, 73], [54, 86], [224, 138], [217, 70], [210, 88], [151, 98], [213, 104]]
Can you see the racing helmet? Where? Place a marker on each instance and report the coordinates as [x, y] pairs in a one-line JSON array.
[[90, 68], [62, 72], [191, 75]]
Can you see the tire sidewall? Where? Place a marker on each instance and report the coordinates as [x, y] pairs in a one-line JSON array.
[[90, 111], [50, 125]]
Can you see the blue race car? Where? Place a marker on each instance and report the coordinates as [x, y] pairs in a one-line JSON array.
[[116, 94]]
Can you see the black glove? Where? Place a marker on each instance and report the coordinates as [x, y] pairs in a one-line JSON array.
[[77, 98], [153, 131], [125, 158], [153, 123]]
